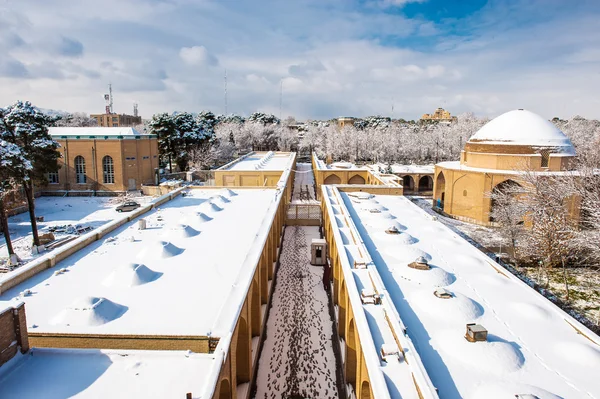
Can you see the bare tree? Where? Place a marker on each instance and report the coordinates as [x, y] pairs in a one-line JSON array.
[[508, 211]]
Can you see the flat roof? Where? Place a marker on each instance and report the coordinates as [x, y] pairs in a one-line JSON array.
[[408, 168], [377, 325], [533, 347], [456, 165], [89, 373], [95, 131], [262, 161], [185, 274]]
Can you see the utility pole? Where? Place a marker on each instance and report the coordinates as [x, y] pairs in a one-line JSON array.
[[225, 91]]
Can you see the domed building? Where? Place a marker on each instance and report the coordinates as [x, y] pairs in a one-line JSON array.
[[496, 155]]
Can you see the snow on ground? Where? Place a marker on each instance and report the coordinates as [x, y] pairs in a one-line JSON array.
[[83, 373], [297, 358], [61, 211], [480, 236], [304, 184], [196, 247], [532, 346]]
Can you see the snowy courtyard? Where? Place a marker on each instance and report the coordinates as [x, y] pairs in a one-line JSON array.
[[304, 184], [297, 358], [66, 213]]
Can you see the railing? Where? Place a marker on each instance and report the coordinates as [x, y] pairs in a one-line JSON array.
[[303, 215]]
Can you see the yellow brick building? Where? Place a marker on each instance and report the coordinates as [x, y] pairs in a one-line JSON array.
[[101, 159], [440, 115], [116, 120], [514, 142]]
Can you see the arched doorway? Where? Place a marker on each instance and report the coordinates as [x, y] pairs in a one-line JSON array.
[[440, 191], [408, 182], [351, 364], [225, 389], [356, 179], [332, 179], [242, 353], [501, 195], [255, 310], [342, 309], [425, 183], [365, 390]]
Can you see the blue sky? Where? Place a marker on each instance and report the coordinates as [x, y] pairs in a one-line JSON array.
[[334, 57]]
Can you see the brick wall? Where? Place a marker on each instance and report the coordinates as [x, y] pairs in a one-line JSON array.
[[198, 344], [13, 332]]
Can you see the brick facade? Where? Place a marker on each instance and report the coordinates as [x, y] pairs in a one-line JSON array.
[[133, 163], [13, 332]]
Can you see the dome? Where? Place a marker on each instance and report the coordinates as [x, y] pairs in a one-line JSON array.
[[524, 128]]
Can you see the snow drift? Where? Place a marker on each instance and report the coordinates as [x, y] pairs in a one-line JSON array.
[[130, 275], [90, 311], [160, 249]]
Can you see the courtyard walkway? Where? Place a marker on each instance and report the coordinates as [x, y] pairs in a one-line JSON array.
[[297, 358]]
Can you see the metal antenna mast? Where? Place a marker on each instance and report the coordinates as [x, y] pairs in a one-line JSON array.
[[280, 97], [110, 96], [225, 91]]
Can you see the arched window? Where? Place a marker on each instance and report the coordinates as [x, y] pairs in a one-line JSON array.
[[80, 170], [108, 169]]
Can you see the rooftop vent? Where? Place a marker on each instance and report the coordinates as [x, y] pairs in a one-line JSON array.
[[420, 263], [442, 293], [392, 230], [476, 332], [375, 210], [368, 296], [360, 263], [526, 396], [389, 352]]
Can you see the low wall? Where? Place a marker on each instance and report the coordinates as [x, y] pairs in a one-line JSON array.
[[52, 258], [379, 190], [197, 344], [13, 332]]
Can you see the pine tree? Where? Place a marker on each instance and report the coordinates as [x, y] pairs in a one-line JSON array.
[[27, 127], [12, 165], [163, 125]]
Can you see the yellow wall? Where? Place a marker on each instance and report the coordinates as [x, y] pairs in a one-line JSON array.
[[355, 369], [466, 192], [350, 177], [140, 169]]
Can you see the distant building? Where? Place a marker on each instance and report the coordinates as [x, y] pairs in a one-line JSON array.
[[440, 115], [116, 120], [345, 120], [109, 159]]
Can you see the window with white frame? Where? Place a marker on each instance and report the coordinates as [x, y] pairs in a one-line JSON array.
[[108, 169], [80, 176]]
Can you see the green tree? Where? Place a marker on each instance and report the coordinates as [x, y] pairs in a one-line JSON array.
[[164, 127], [27, 127]]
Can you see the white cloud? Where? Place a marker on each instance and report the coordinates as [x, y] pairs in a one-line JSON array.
[[333, 58], [197, 56]]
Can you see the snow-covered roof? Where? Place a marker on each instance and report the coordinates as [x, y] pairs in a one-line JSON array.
[[90, 373], [456, 165], [377, 325], [262, 161], [406, 168], [195, 258], [532, 348], [98, 132], [522, 127]]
